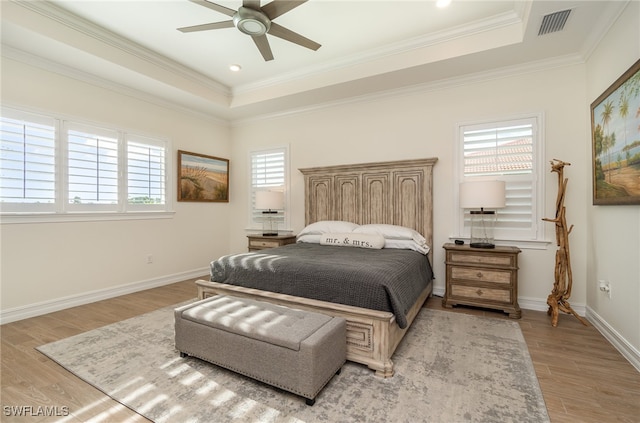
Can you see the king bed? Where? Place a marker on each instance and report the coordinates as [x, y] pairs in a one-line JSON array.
[[365, 255]]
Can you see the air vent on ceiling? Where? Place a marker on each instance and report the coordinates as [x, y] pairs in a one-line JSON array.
[[554, 22]]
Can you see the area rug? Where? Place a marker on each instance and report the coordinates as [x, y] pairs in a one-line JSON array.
[[449, 368]]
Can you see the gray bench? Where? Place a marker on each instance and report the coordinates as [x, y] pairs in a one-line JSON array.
[[295, 350]]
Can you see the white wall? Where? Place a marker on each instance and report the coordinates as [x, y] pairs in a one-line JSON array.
[[421, 124], [46, 263], [613, 247]]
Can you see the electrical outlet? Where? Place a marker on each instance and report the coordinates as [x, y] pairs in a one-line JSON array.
[[605, 286], [149, 258]]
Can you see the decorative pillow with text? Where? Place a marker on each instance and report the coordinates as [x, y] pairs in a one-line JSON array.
[[351, 239]]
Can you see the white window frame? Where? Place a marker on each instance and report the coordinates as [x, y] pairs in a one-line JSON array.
[[160, 145], [534, 237], [62, 209], [283, 217], [100, 134], [27, 207]]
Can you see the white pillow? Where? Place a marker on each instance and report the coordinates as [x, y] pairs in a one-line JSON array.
[[353, 239], [406, 244], [328, 226], [309, 238], [393, 232]]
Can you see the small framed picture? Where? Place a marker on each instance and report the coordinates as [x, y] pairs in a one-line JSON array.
[[202, 178]]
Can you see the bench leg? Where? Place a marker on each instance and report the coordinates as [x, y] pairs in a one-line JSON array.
[[183, 354], [310, 401]]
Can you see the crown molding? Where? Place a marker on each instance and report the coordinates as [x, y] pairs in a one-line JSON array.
[[494, 74], [21, 56], [387, 51], [64, 17]]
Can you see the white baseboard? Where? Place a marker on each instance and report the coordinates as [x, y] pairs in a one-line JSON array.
[[627, 350], [538, 304], [526, 303], [44, 307], [438, 292]]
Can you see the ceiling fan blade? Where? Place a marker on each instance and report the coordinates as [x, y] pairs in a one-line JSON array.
[[216, 7], [251, 4], [263, 45], [286, 34], [278, 8], [207, 27]]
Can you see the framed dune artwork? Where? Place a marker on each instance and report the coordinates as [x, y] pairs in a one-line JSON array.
[[202, 178], [615, 137]]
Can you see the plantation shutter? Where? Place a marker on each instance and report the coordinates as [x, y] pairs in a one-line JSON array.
[[268, 172], [53, 167], [27, 162], [92, 169], [146, 172], [505, 151]]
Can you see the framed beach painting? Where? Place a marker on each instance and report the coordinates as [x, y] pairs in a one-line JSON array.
[[615, 137], [202, 178]]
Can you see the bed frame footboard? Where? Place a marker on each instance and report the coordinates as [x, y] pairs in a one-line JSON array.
[[372, 336]]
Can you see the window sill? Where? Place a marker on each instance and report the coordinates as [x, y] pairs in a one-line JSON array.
[[19, 218]]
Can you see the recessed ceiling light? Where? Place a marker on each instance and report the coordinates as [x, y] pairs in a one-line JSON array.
[[443, 3], [235, 68]]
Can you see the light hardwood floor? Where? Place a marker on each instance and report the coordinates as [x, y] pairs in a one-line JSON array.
[[583, 378]]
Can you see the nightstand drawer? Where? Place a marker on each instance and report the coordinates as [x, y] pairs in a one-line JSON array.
[[485, 259], [476, 293], [480, 275], [263, 244]]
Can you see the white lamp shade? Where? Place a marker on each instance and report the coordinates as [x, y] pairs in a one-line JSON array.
[[269, 200], [482, 194]]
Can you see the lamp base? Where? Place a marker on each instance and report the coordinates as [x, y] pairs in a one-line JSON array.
[[485, 245], [482, 224], [269, 224]]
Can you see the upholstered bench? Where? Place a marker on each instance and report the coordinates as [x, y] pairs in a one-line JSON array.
[[295, 350]]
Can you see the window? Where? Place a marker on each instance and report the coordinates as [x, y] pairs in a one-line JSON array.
[[28, 163], [92, 168], [510, 151], [269, 171], [60, 167], [146, 172]]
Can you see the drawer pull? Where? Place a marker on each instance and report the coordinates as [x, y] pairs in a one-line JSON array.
[[479, 275], [479, 292]]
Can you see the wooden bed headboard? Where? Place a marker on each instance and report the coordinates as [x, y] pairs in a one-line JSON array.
[[396, 192]]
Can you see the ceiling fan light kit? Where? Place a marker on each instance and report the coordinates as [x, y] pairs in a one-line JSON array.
[[251, 22], [256, 21]]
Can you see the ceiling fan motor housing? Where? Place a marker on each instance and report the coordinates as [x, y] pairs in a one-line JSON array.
[[251, 22]]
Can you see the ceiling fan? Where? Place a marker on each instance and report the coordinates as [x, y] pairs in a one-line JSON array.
[[256, 21]]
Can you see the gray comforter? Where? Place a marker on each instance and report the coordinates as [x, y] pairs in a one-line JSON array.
[[387, 279]]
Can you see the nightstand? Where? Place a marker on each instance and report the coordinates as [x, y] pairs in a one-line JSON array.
[[482, 277], [260, 242]]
